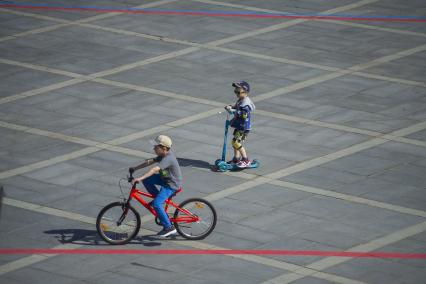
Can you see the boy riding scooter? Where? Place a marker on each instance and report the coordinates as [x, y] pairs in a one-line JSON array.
[[241, 122], [242, 125]]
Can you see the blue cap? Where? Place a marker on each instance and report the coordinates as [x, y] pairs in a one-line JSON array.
[[242, 84]]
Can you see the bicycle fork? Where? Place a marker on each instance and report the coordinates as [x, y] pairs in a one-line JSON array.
[[125, 207]]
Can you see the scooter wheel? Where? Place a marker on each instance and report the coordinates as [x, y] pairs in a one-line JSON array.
[[216, 163], [222, 167]]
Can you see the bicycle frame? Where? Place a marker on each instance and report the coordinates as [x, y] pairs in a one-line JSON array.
[[137, 195]]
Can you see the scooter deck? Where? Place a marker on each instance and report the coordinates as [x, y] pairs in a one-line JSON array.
[[224, 166]]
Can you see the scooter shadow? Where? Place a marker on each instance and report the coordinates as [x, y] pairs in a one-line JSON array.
[[183, 162]]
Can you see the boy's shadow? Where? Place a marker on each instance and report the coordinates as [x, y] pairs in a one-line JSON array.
[[91, 237], [184, 162]]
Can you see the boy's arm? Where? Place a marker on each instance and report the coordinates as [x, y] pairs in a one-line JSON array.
[[146, 163], [163, 164], [152, 171], [244, 112], [230, 109]]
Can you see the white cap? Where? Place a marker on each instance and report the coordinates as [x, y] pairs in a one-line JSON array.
[[162, 140]]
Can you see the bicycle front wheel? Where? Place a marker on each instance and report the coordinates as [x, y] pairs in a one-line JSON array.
[[118, 223], [195, 218]]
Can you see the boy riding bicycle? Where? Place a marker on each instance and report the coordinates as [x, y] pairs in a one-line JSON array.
[[166, 175]]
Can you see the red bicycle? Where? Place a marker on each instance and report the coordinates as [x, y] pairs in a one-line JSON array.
[[119, 222]]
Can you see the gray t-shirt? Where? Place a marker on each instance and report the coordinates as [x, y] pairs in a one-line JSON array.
[[169, 170]]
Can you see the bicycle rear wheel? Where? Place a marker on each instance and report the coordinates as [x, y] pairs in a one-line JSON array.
[[117, 223], [195, 230]]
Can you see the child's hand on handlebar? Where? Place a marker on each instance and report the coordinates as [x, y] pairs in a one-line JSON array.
[[136, 180], [130, 177]]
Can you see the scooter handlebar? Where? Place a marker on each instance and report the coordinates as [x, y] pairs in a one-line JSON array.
[[227, 111]]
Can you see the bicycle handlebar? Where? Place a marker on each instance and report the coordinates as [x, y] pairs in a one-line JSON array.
[[130, 177]]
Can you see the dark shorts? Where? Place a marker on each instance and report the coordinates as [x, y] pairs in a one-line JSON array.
[[240, 135]]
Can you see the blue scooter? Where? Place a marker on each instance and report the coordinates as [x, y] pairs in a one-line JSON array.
[[221, 164]]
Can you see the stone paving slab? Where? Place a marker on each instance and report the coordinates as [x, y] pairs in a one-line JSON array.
[[84, 15], [187, 75], [93, 51], [318, 49], [39, 277], [410, 244], [421, 135], [354, 214], [38, 192], [411, 72], [311, 280], [22, 228], [270, 196], [330, 179], [296, 243], [33, 117], [119, 264], [384, 270], [20, 149], [331, 102], [315, 227], [385, 191], [407, 175], [293, 7], [25, 80], [361, 165], [393, 8], [196, 29], [23, 23], [63, 174]]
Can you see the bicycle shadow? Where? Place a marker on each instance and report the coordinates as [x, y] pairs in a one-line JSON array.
[[92, 238], [75, 236]]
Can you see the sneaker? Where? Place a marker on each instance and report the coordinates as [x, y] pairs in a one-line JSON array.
[[233, 161], [167, 232], [243, 164]]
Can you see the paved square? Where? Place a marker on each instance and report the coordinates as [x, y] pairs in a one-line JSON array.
[[339, 131]]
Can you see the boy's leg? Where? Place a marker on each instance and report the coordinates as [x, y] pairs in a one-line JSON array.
[[151, 184], [245, 162], [243, 153], [158, 204], [236, 154], [236, 144], [236, 157]]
